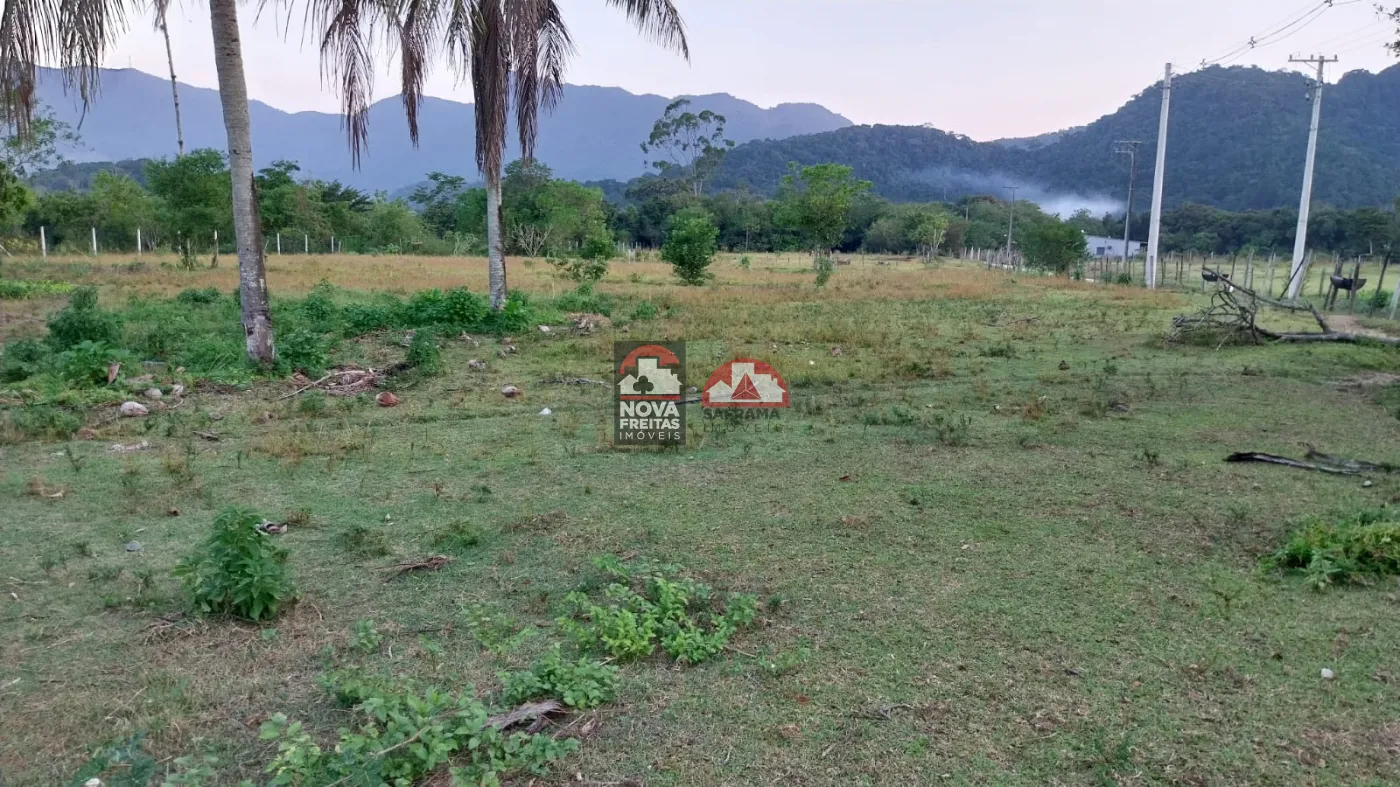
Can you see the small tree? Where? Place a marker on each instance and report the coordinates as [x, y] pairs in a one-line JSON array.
[[816, 202], [928, 234], [1054, 246], [690, 246]]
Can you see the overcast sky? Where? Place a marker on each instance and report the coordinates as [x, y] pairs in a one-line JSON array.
[[985, 68]]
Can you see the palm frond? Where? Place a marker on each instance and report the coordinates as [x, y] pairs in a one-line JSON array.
[[74, 34], [540, 49], [659, 20], [347, 57]]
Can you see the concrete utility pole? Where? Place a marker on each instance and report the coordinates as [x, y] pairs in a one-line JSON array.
[[1154, 232], [1300, 242], [1128, 147], [1011, 223]]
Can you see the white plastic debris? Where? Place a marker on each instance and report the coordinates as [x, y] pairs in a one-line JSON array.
[[546, 411], [134, 410], [1328, 674], [544, 329]]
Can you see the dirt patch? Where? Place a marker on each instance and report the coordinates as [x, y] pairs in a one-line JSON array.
[[1346, 323], [1364, 380]]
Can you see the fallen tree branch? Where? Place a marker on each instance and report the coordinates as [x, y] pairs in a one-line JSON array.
[[531, 711], [1330, 336], [306, 388], [1255, 456]]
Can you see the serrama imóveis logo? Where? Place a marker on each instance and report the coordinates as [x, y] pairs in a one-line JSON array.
[[744, 384], [650, 386]]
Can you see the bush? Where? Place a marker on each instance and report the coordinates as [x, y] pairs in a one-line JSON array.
[[690, 246], [426, 307], [646, 310], [83, 321], [199, 297], [579, 684], [318, 310], [1355, 549], [462, 308], [1380, 299], [37, 421], [239, 570], [363, 318], [669, 613], [443, 729], [19, 290], [23, 358], [423, 353], [88, 362], [303, 350]]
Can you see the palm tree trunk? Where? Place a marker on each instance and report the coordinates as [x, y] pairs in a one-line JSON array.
[[495, 245], [233, 94], [174, 90]]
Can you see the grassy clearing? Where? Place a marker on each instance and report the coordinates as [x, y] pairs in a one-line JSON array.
[[992, 542]]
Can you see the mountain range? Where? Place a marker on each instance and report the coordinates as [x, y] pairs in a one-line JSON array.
[[1237, 141], [594, 133]]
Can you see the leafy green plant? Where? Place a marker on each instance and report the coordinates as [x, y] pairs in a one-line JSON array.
[[745, 262], [364, 637], [123, 764], [199, 297], [687, 619], [23, 359], [401, 734], [82, 321], [1355, 549], [367, 540], [302, 349], [646, 310], [423, 352], [578, 684], [19, 290], [313, 403], [87, 362], [953, 430], [239, 570]]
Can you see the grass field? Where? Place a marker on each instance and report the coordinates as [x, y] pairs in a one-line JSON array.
[[993, 539]]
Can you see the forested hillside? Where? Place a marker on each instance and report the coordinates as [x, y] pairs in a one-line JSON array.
[[1237, 141]]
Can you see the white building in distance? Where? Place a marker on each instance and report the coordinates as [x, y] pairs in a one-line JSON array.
[[1113, 247]]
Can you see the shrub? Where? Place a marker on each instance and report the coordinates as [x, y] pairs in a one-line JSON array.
[[690, 246], [88, 362], [401, 734], [199, 297], [83, 321], [301, 349], [745, 262], [239, 570], [317, 308], [423, 352], [363, 318], [426, 307], [462, 308], [37, 421], [669, 613], [1354, 549], [1123, 278], [646, 310], [1380, 299], [23, 358], [825, 267], [578, 684]]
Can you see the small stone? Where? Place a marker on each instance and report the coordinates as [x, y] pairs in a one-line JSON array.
[[546, 411], [1328, 674], [692, 389], [1367, 484], [1064, 365], [177, 389], [93, 782], [544, 329], [476, 366], [388, 517], [133, 546], [811, 363], [134, 410], [836, 351], [386, 399], [510, 392], [153, 393]]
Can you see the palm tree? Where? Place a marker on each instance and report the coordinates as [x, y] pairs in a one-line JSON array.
[[161, 7], [504, 46], [76, 36]]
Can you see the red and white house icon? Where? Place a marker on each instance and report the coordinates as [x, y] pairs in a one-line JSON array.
[[744, 382]]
